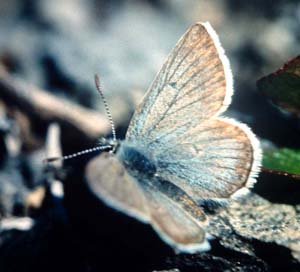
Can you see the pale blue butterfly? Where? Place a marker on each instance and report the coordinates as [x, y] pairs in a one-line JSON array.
[[178, 151]]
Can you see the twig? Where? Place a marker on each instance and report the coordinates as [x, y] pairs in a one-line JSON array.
[[46, 107]]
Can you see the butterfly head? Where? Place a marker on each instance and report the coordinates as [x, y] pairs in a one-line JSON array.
[[112, 143]]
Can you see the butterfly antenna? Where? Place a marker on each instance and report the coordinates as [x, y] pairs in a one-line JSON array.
[[98, 86], [71, 156]]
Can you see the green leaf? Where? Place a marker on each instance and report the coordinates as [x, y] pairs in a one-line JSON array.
[[286, 160], [283, 86]]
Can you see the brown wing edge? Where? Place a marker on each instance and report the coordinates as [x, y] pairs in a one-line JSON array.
[[226, 66], [183, 248], [256, 160], [190, 214]]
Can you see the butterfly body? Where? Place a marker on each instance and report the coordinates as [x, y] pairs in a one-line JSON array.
[[136, 159]]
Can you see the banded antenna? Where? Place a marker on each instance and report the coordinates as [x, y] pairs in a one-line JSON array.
[[77, 154], [97, 148], [98, 86]]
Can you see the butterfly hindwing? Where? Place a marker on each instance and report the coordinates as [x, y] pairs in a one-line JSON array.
[[213, 160], [109, 180], [175, 217], [173, 214]]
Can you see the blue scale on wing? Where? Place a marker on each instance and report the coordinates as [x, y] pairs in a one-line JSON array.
[[137, 160], [212, 160], [197, 179]]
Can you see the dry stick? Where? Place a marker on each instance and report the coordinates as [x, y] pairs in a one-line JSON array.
[[97, 148], [53, 145], [47, 107], [53, 148]]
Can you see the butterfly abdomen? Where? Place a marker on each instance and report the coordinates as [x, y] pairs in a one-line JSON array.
[[135, 159]]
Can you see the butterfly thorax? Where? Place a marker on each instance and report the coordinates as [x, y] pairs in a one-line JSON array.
[[136, 160]]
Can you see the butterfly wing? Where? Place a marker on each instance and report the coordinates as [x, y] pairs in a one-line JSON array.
[[214, 160], [194, 84], [178, 123], [109, 180], [175, 216], [172, 213]]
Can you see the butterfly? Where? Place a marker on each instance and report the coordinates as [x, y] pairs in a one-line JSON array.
[[178, 150]]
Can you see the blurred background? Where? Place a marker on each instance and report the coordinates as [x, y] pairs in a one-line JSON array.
[[51, 50], [60, 45]]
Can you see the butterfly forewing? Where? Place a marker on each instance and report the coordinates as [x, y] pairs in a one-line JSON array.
[[178, 122], [194, 84]]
